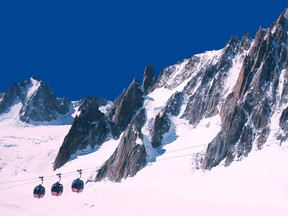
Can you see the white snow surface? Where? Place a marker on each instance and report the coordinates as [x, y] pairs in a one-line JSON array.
[[169, 185], [104, 109], [212, 55], [35, 84]]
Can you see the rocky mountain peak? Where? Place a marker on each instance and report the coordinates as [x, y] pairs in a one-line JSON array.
[[34, 77], [88, 131], [130, 155], [149, 78], [232, 43], [93, 126], [126, 106], [282, 21], [38, 102], [279, 29], [246, 41]]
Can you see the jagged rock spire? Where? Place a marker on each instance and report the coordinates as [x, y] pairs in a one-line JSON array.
[[38, 101], [246, 41], [90, 129], [149, 78], [126, 106], [130, 155]]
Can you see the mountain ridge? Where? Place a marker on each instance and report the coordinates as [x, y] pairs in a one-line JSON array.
[[38, 103], [244, 83]]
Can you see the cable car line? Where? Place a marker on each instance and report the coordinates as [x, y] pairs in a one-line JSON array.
[[51, 177], [185, 148], [67, 174], [17, 185], [87, 170], [180, 156], [34, 180]]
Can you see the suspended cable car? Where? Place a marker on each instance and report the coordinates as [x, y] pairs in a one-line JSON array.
[[57, 188], [78, 184], [39, 190]]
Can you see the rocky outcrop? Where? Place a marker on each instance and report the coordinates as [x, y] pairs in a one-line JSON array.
[[130, 155], [204, 102], [149, 78], [93, 127], [162, 122], [43, 106], [247, 111], [161, 126], [17, 92], [175, 103], [125, 107], [89, 130], [283, 124], [38, 102]]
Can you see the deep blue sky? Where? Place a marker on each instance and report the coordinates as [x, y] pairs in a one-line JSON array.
[[96, 48]]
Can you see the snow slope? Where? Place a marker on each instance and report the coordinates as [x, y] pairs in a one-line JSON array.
[[169, 185]]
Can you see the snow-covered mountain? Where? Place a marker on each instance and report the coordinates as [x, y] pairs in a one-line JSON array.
[[245, 83], [37, 103], [217, 110]]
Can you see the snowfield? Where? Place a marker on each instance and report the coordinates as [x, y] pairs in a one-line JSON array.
[[257, 185]]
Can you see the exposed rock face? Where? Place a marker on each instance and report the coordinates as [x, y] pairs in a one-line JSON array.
[[12, 94], [38, 102], [149, 78], [91, 101], [162, 122], [93, 127], [130, 155], [88, 131], [204, 79], [283, 123], [17, 92], [175, 103], [247, 111], [284, 120], [125, 107], [209, 95], [43, 106], [161, 126]]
